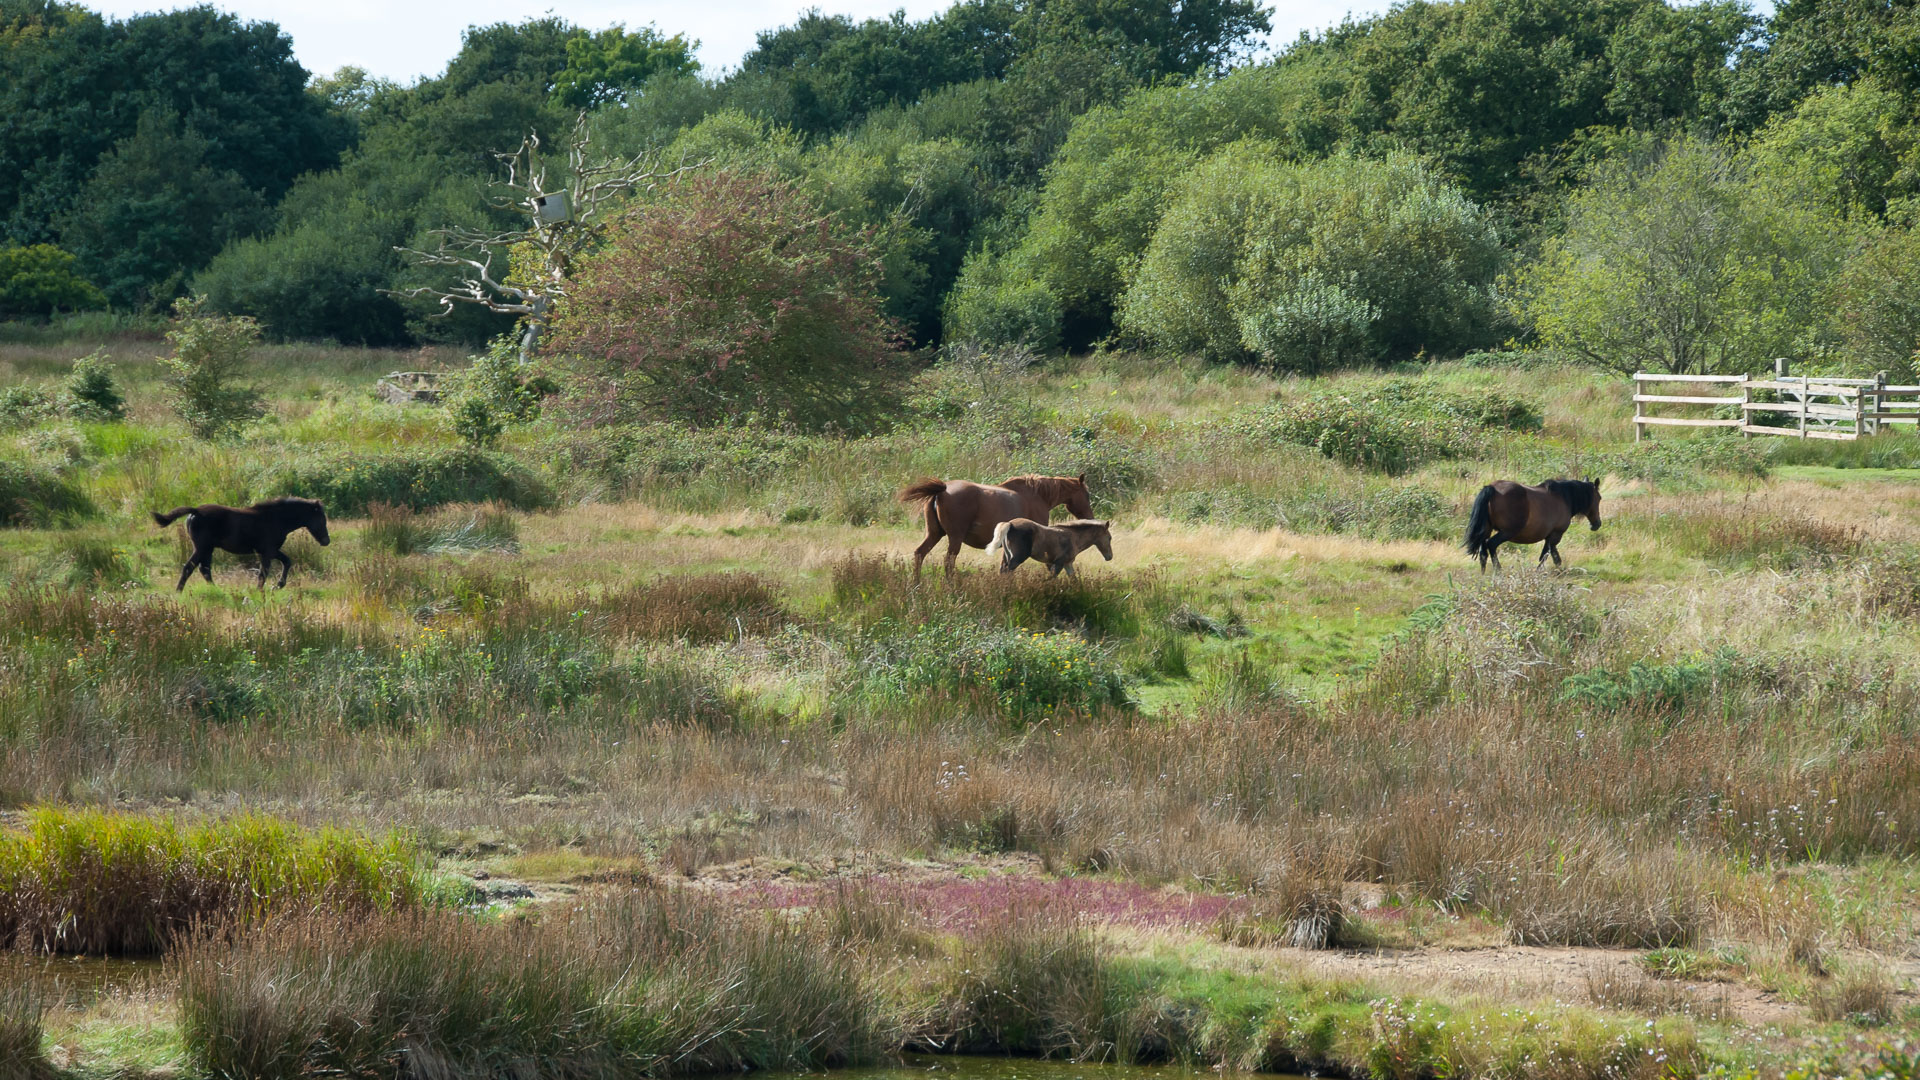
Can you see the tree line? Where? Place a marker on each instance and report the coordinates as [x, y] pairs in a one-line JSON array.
[[1693, 188]]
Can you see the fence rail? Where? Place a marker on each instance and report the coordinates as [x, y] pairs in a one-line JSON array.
[[1816, 408]]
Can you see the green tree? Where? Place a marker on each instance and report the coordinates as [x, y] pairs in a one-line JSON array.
[[730, 293], [1314, 265], [203, 376], [74, 85], [1680, 262], [1878, 302], [611, 64], [40, 279], [1844, 148], [156, 210]]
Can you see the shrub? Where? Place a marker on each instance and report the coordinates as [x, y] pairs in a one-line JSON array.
[[40, 279], [126, 884], [24, 406], [1657, 688], [731, 293], [37, 496], [350, 483], [1392, 426], [495, 390], [1029, 675], [996, 304], [1311, 266], [91, 392], [209, 354]]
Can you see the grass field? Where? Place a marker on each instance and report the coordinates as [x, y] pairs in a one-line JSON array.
[[1288, 784]]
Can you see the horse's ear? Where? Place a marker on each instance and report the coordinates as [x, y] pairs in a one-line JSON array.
[[1081, 479]]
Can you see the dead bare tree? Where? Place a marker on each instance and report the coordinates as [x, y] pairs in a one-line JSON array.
[[564, 219]]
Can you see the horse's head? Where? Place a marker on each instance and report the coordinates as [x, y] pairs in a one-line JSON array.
[[1074, 493], [1103, 539], [1593, 507], [316, 522]]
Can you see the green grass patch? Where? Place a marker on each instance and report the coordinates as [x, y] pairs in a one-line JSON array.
[[98, 883]]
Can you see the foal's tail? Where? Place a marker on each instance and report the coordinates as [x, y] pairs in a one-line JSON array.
[[166, 519], [1001, 545], [924, 490], [1480, 521]]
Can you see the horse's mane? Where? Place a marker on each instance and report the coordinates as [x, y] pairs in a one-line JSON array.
[[1054, 488], [286, 502], [1080, 524], [1577, 494]]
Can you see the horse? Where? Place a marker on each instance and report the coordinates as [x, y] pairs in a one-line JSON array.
[[259, 529], [1055, 546], [966, 512], [1506, 512]]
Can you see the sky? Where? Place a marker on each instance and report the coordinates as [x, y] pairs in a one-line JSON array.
[[408, 39]]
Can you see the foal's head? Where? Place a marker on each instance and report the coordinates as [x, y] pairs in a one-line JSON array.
[[1094, 534], [312, 515]]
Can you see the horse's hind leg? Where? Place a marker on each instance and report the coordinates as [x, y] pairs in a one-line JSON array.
[[934, 533], [186, 571], [266, 564]]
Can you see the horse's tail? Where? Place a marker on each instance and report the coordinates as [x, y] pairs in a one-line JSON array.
[[1480, 521], [999, 538], [1003, 543], [166, 519], [925, 490]]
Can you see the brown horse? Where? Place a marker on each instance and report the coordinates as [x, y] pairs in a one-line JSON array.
[[1052, 546], [260, 529], [966, 512], [1508, 513]]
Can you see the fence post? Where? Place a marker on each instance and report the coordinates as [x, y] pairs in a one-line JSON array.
[[1639, 408], [1806, 395], [1879, 398], [1746, 398]]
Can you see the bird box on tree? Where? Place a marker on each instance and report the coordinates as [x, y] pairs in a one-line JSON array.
[[552, 208]]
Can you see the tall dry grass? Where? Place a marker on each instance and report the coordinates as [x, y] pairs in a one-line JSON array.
[[650, 983]]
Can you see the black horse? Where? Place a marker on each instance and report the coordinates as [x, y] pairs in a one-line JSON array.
[[259, 529]]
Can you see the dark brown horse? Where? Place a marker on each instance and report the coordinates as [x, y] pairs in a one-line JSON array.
[[260, 529], [965, 512], [1052, 546], [1508, 513]]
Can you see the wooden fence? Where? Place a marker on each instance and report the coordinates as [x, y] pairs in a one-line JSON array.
[[1814, 408]]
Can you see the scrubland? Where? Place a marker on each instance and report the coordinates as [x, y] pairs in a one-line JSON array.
[[637, 750]]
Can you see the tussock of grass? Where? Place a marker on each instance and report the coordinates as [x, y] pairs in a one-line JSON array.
[[121, 884], [400, 531], [647, 984], [21, 1055]]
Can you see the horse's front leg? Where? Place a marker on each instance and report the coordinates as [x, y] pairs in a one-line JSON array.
[[286, 564]]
